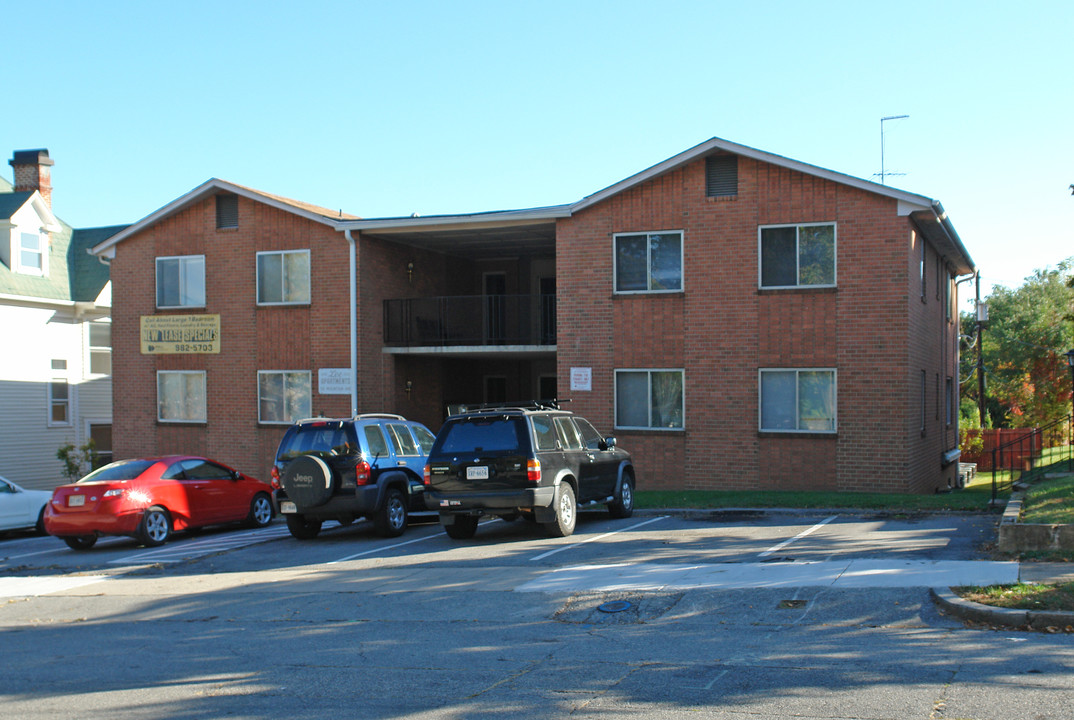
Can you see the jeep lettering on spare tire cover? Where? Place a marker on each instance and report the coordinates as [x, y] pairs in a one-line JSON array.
[[307, 481]]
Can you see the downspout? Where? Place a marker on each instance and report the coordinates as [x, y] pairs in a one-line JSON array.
[[352, 282]]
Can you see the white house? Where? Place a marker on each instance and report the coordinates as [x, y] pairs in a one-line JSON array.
[[55, 307]]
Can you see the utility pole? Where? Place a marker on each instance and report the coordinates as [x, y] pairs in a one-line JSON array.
[[982, 320]]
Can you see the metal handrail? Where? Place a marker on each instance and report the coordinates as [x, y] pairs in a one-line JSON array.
[[1035, 438]]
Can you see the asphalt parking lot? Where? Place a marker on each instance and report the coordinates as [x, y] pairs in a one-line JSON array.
[[513, 623]]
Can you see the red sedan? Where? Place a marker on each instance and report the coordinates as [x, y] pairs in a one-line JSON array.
[[150, 498]]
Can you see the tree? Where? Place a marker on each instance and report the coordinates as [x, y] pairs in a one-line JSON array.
[[73, 458], [1030, 330]]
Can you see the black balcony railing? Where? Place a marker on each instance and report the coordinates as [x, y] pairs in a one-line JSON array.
[[470, 320]]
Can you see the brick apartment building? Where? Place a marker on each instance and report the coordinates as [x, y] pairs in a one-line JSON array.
[[739, 320]]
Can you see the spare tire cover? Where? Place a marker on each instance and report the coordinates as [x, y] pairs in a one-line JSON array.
[[307, 480]]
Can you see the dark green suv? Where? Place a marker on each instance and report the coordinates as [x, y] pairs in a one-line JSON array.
[[538, 461], [343, 469]]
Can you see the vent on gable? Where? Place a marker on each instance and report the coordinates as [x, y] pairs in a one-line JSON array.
[[227, 211], [721, 175]]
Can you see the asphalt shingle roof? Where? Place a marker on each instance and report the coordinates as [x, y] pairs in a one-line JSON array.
[[73, 274]]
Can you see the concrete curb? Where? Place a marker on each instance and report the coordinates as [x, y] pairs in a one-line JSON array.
[[952, 604]]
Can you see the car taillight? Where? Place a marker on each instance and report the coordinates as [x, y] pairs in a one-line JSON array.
[[362, 473], [275, 474], [427, 476], [533, 470]]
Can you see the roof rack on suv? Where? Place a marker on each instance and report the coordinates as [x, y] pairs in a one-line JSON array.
[[549, 404], [389, 416]]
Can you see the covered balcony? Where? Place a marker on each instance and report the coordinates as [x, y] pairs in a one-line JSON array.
[[481, 324]]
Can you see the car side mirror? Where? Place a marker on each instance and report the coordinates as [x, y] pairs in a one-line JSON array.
[[608, 443]]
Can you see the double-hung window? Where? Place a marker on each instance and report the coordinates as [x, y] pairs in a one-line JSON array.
[[100, 348], [649, 399], [181, 281], [797, 400], [283, 278], [797, 255], [283, 396], [648, 262], [181, 396], [59, 395], [31, 253]]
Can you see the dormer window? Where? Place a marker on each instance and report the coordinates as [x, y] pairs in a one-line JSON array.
[[31, 254]]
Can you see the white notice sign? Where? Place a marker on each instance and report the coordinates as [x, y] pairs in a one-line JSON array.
[[582, 379], [334, 381]]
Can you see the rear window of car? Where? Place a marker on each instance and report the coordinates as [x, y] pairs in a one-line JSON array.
[[122, 470], [500, 434], [316, 438]]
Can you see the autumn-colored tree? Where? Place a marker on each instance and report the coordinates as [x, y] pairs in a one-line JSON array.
[[1024, 348]]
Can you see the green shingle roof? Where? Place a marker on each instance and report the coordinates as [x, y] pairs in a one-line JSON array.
[[73, 274]]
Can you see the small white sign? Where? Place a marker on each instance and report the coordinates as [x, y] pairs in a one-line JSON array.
[[582, 379], [334, 381]]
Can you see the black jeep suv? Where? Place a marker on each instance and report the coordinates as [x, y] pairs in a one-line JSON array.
[[536, 461], [343, 469]]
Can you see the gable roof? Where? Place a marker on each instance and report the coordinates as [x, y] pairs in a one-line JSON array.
[[928, 214], [214, 186]]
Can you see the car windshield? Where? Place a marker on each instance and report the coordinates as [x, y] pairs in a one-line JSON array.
[[483, 434], [121, 470]]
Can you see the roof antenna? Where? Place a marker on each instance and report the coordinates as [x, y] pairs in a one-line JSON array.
[[883, 173]]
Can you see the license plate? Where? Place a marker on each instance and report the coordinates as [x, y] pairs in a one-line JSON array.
[[477, 472], [288, 507], [76, 500]]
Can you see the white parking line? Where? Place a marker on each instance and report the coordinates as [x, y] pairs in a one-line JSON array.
[[199, 548], [799, 536], [58, 548], [542, 556], [382, 549]]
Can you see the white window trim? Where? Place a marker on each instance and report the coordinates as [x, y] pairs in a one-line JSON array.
[[156, 282], [204, 374], [68, 403], [42, 252], [90, 348], [285, 373], [796, 371], [648, 262], [257, 273], [797, 255], [649, 394]]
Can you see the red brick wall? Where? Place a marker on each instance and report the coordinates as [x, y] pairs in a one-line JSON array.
[[252, 338], [721, 329]]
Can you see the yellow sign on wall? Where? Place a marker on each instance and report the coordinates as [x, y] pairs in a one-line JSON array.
[[180, 334]]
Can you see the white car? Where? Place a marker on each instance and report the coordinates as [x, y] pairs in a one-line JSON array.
[[21, 509]]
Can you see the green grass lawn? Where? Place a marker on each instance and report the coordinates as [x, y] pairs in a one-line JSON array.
[[1050, 501], [1023, 596], [974, 497]]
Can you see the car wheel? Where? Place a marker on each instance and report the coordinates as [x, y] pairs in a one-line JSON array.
[[390, 520], [260, 511], [623, 504], [155, 528], [566, 512], [301, 528], [464, 527], [39, 528], [80, 542]]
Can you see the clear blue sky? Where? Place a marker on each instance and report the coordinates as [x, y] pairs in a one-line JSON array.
[[384, 109]]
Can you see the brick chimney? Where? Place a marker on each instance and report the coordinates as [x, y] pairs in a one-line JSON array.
[[33, 172]]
